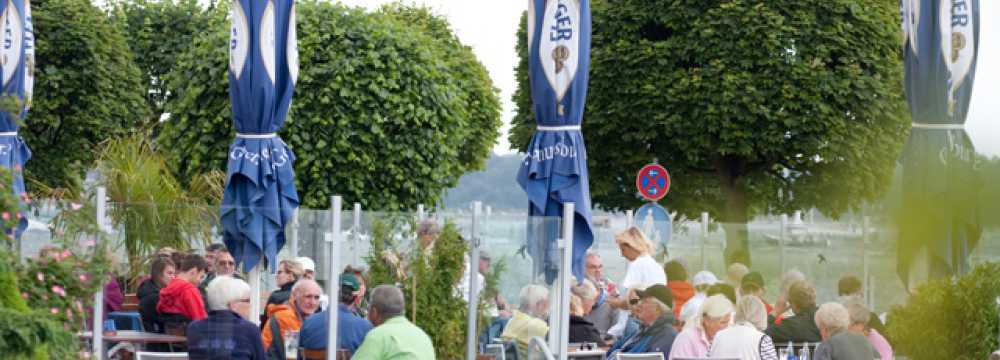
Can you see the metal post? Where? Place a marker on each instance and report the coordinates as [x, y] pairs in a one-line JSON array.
[[473, 298], [98, 328], [102, 211], [629, 218], [704, 239], [420, 212], [295, 233], [255, 291], [356, 231], [333, 285], [565, 277], [865, 223], [783, 234]]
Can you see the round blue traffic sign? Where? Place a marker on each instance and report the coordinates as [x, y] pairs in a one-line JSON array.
[[653, 182]]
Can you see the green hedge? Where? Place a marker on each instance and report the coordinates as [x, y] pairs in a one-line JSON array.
[[950, 319]]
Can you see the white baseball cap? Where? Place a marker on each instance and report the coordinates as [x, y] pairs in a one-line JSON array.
[[704, 277], [307, 263]]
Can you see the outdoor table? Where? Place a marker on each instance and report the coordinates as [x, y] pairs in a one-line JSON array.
[[595, 353], [136, 337]]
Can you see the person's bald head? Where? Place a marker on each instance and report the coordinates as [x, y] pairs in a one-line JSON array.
[[306, 293]]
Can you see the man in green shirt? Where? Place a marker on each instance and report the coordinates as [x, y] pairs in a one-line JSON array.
[[393, 337]]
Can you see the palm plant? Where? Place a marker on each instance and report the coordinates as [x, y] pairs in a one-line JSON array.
[[149, 206]]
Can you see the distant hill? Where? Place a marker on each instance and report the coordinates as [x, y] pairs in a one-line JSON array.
[[496, 186]]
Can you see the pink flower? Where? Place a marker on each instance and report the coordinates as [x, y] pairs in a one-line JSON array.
[[75, 206], [59, 290], [66, 253], [24, 295], [90, 242], [5, 215], [84, 277], [54, 311], [40, 276]]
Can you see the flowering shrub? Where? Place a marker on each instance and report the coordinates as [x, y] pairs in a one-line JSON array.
[[63, 279]]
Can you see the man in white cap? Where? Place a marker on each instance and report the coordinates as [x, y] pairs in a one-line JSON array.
[[309, 272], [701, 282], [309, 266]]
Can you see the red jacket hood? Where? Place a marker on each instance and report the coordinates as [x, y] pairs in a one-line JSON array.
[[181, 297]]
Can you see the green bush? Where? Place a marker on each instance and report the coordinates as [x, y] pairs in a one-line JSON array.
[[439, 312], [946, 319]]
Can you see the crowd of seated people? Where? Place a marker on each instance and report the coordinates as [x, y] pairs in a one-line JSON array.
[[662, 311], [205, 299], [652, 310]]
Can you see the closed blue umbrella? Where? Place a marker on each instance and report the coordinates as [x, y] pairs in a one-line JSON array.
[[554, 171], [260, 191], [939, 218], [17, 59]]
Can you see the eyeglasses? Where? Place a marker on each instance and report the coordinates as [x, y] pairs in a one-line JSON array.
[[243, 300], [227, 263], [633, 301], [313, 297], [282, 272]]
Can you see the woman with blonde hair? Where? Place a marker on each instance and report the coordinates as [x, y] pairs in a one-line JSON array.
[[289, 272], [642, 271]]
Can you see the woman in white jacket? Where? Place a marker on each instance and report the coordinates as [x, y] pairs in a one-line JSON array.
[[744, 340]]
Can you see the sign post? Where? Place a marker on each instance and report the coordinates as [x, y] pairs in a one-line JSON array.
[[653, 183]]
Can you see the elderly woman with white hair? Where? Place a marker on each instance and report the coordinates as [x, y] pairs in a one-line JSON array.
[[833, 320], [745, 339], [716, 314], [528, 320], [226, 333]]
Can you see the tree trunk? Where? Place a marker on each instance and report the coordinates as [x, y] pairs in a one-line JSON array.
[[734, 216]]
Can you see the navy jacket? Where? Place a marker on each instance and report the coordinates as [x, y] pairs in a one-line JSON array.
[[224, 335], [351, 330], [656, 338]]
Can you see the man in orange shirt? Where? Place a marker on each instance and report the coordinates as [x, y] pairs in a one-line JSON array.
[[289, 316]]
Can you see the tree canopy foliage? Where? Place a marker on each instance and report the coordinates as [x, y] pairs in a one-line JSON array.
[[85, 89], [158, 32], [390, 109], [753, 106]]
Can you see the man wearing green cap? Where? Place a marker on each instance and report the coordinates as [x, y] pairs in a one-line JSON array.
[[351, 329]]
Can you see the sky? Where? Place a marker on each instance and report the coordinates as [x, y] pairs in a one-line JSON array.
[[490, 28]]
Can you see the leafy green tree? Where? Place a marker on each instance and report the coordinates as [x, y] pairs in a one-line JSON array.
[[381, 112], [753, 106], [85, 90], [482, 103], [158, 31]]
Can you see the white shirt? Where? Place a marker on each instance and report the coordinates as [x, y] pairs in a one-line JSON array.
[[643, 272], [463, 285]]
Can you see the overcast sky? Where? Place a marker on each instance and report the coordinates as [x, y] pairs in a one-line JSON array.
[[490, 27]]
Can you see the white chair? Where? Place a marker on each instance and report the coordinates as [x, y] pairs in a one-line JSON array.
[[641, 356], [538, 346], [146, 355]]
